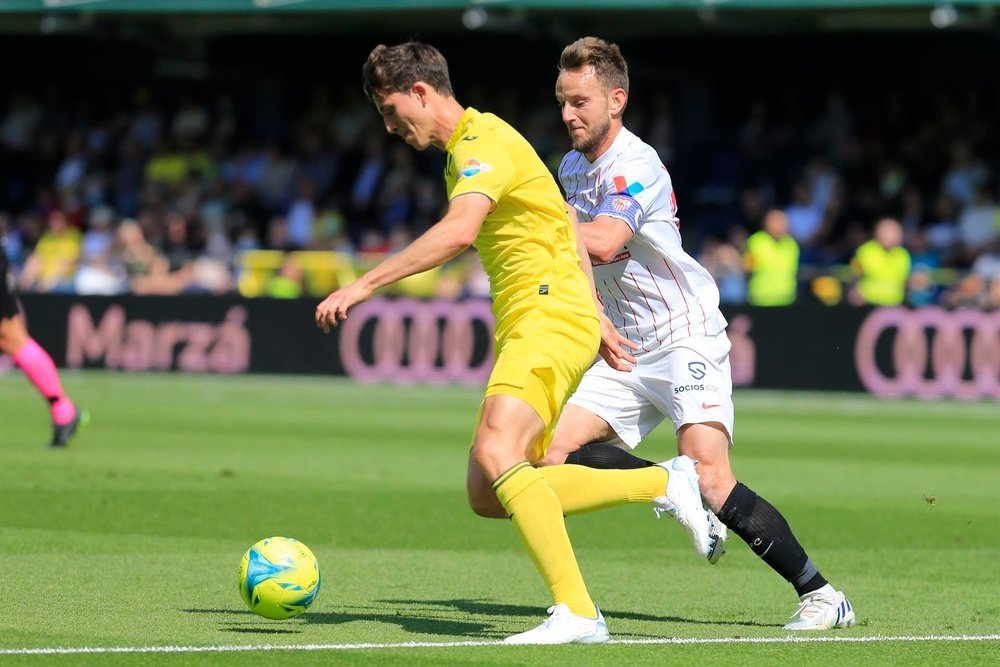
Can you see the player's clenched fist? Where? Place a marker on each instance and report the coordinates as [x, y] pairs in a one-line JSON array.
[[334, 308]]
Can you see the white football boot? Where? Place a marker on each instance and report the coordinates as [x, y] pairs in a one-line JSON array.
[[683, 502], [564, 627], [823, 609], [717, 534]]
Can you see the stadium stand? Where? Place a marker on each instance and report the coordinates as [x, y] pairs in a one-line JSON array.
[[180, 177]]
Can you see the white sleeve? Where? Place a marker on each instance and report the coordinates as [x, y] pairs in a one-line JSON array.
[[631, 189]]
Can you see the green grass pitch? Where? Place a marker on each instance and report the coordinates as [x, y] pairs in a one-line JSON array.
[[132, 537]]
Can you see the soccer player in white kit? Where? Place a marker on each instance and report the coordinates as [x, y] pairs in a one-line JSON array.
[[669, 357], [666, 307]]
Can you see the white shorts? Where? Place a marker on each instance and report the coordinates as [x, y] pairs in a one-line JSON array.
[[688, 381]]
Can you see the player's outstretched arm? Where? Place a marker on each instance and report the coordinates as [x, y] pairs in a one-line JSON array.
[[448, 238]]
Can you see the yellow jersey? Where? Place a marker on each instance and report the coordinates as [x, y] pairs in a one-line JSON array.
[[774, 265], [883, 273], [58, 254], [527, 244]]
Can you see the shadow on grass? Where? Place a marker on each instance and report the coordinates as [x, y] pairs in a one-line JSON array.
[[252, 625], [476, 619], [485, 608], [259, 630], [420, 621]]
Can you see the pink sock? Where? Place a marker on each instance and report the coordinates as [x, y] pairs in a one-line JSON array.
[[37, 365]]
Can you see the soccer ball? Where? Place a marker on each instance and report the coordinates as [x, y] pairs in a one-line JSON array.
[[279, 578]]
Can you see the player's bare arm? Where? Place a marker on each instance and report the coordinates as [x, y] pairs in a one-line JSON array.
[[611, 349], [605, 236], [455, 232]]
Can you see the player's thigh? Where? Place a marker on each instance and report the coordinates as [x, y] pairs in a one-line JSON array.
[[692, 384], [539, 371], [614, 398], [508, 432]]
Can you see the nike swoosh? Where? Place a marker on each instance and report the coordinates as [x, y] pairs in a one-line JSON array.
[[708, 406]]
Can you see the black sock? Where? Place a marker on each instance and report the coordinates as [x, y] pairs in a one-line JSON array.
[[605, 456], [762, 527]]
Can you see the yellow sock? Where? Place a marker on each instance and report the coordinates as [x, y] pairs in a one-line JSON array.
[[582, 489], [538, 517]]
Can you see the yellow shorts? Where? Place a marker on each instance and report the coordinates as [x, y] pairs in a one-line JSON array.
[[542, 363]]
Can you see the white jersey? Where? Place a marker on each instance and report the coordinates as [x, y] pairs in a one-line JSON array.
[[653, 291]]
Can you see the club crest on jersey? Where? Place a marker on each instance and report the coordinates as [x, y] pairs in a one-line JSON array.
[[472, 166], [623, 187], [619, 204]]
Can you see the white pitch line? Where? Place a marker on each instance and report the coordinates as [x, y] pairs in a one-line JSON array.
[[236, 648]]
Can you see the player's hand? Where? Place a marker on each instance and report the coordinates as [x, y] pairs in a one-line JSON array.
[[334, 308], [613, 346]]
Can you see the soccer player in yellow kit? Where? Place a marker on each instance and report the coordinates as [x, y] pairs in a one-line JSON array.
[[504, 201]]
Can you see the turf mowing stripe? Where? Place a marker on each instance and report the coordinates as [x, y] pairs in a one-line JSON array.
[[347, 647]]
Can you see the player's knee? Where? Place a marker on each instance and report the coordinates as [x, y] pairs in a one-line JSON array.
[[485, 454], [13, 335], [484, 503]]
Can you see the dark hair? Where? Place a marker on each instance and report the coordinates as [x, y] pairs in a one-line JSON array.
[[393, 69], [605, 58]]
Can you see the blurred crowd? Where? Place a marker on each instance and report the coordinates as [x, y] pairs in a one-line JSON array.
[[852, 199]]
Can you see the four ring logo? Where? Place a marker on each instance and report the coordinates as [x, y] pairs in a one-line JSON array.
[[413, 341], [697, 369], [934, 353]]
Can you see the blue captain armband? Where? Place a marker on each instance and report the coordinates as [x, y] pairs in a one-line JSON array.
[[624, 208]]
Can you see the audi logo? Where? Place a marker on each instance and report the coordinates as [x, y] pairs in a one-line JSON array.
[[431, 342], [934, 353]]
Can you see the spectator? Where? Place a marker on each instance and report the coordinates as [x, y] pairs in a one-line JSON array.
[[724, 262], [978, 224], [966, 174], [301, 218], [987, 264], [73, 167], [136, 258], [12, 240], [922, 288], [287, 283], [18, 128], [167, 166], [855, 158], [942, 232], [128, 179], [882, 266], [100, 234], [772, 258], [51, 267], [806, 221]]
